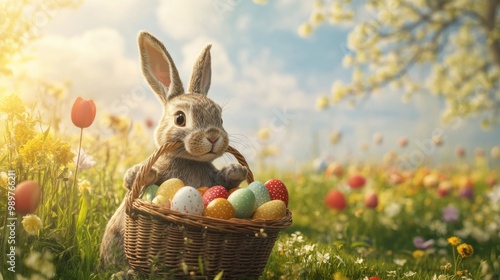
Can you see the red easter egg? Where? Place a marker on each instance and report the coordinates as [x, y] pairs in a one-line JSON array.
[[356, 181], [27, 195], [277, 190], [213, 193], [335, 200]]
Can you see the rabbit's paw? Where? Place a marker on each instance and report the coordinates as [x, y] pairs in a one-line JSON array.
[[132, 173], [151, 177], [233, 175]]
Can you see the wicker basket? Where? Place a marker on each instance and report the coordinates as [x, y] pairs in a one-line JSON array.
[[164, 242]]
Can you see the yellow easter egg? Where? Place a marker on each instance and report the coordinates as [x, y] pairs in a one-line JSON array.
[[270, 210], [169, 188], [162, 201], [220, 208]]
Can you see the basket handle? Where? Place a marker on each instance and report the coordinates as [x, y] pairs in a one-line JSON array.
[[148, 164]]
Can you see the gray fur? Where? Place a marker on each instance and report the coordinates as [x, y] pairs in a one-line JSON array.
[[203, 136]]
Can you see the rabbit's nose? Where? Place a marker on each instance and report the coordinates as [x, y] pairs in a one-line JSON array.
[[212, 139]]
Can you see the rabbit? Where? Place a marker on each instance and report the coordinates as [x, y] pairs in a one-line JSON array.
[[191, 118]]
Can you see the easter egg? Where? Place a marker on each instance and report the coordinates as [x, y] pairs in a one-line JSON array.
[[232, 191], [277, 190], [335, 200], [149, 193], [202, 190], [162, 201], [220, 208], [371, 200], [213, 193], [270, 210], [27, 197], [356, 181], [260, 191], [243, 201], [187, 200], [170, 187]]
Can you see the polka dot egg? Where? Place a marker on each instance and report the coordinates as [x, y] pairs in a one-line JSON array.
[[188, 200], [220, 208], [270, 210]]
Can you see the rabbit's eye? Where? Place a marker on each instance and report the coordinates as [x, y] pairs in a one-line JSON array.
[[180, 118]]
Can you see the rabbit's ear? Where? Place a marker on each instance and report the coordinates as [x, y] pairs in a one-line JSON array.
[[202, 73], [159, 68]]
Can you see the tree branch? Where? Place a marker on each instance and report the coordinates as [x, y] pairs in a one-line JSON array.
[[490, 16]]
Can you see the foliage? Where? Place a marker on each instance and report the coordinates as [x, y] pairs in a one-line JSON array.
[[453, 45]]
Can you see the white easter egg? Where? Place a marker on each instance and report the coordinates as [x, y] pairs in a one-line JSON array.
[[188, 200]]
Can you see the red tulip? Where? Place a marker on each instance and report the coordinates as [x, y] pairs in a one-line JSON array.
[[27, 194], [374, 278], [83, 113], [336, 200]]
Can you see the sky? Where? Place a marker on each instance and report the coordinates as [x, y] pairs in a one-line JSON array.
[[264, 75]]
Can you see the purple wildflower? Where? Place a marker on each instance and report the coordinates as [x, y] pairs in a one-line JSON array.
[[420, 243], [450, 214]]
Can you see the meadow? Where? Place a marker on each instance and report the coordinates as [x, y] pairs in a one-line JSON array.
[[429, 222]]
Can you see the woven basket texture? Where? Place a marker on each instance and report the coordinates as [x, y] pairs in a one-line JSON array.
[[161, 242]]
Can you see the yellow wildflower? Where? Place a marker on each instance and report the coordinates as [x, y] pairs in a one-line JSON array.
[[418, 254], [446, 266], [339, 276], [33, 153], [41, 151], [454, 241], [61, 152], [465, 250], [31, 224], [84, 186], [23, 132], [12, 104], [118, 124]]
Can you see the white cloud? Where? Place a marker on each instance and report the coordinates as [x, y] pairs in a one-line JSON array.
[[95, 64], [296, 13], [222, 67], [264, 81], [188, 18], [94, 61], [93, 14]]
